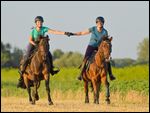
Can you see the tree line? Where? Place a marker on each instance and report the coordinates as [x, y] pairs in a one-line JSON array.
[[10, 57]]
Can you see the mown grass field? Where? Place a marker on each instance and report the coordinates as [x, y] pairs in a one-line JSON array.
[[129, 92]]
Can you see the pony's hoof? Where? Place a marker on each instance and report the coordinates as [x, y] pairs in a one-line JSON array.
[[96, 102], [92, 89], [50, 103], [32, 103], [107, 101], [37, 97], [86, 101]]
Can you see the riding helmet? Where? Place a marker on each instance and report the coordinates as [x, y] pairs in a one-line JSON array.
[[39, 18], [100, 18]]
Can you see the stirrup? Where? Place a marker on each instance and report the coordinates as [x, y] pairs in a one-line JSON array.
[[53, 72], [112, 77], [79, 78]]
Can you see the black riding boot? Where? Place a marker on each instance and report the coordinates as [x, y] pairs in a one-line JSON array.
[[110, 71], [52, 71]]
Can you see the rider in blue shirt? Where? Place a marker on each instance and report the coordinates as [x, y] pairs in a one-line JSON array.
[[97, 32]]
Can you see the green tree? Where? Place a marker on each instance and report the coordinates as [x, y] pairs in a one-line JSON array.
[[122, 62], [2, 47], [5, 58], [5, 54], [16, 56], [69, 59], [57, 53], [8, 58], [8, 47], [143, 50]]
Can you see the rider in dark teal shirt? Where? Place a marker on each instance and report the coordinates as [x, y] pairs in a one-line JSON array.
[[97, 32], [39, 30]]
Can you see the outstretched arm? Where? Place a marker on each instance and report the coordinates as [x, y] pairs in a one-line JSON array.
[[85, 32], [56, 32], [59, 32]]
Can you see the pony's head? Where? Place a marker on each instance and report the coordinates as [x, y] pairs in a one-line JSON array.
[[43, 47], [105, 47]]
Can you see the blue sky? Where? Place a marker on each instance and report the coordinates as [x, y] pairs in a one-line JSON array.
[[127, 22]]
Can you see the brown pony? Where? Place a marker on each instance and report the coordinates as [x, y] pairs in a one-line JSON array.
[[97, 71], [38, 70]]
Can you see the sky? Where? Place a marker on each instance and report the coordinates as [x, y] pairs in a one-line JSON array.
[[126, 21]]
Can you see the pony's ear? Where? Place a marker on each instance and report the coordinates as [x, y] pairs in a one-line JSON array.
[[40, 37], [110, 39], [47, 37], [105, 38]]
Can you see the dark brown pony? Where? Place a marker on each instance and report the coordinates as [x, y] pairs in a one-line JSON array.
[[38, 70], [97, 71]]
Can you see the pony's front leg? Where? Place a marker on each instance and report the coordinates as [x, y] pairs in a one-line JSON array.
[[29, 93], [96, 91], [36, 94], [86, 91], [34, 91], [106, 83], [107, 93], [48, 89], [26, 81]]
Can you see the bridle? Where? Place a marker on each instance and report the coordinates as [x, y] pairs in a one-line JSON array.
[[45, 50]]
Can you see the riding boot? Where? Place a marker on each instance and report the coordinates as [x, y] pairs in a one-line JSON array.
[[110, 71], [52, 71]]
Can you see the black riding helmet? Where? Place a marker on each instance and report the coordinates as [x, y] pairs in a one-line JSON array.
[[100, 18], [39, 18]]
